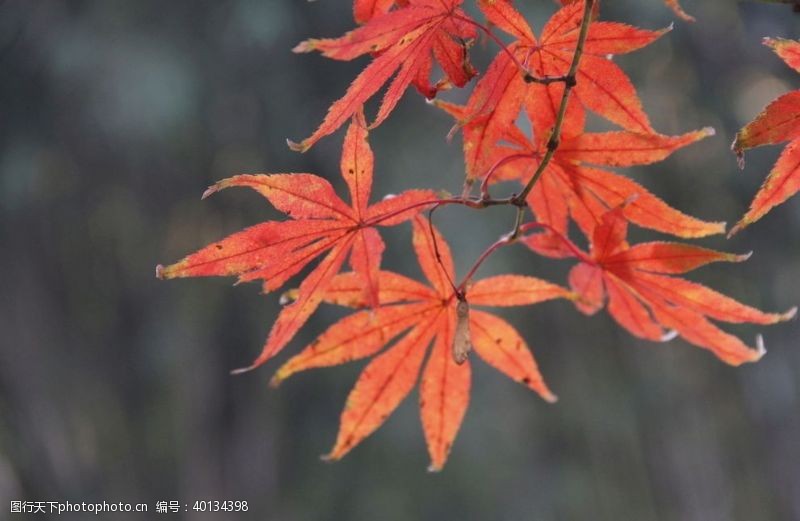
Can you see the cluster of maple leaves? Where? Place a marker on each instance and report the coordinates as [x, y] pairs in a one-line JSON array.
[[548, 83]]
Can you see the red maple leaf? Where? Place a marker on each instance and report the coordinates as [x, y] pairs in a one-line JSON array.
[[405, 42], [366, 10], [678, 10], [503, 91], [672, 4], [321, 223], [779, 122], [414, 316], [644, 297], [572, 186]]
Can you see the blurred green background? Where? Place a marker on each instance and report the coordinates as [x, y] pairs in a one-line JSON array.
[[114, 386]]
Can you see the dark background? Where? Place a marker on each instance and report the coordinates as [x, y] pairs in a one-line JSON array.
[[114, 386]]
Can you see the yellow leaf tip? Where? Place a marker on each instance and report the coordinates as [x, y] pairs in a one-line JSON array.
[[741, 225], [298, 147], [211, 190], [169, 272], [789, 315], [305, 46]]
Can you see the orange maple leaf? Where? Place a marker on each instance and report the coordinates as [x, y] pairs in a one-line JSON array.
[[406, 41], [504, 90], [320, 222], [572, 186], [646, 300], [779, 122], [672, 4], [678, 10], [415, 316]]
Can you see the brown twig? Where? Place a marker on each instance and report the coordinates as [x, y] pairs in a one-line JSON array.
[[570, 80]]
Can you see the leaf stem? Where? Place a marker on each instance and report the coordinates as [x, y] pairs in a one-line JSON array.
[[503, 241], [496, 40], [500, 163], [509, 238], [439, 261]]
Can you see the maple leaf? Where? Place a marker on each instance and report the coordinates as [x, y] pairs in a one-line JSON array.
[[779, 122], [405, 41], [645, 298], [672, 4], [503, 91], [572, 187], [366, 10], [321, 224], [586, 192], [678, 10], [414, 316]]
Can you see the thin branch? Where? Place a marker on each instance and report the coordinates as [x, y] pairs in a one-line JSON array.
[[518, 223], [500, 163], [569, 83], [512, 237], [471, 203], [503, 241], [509, 238]]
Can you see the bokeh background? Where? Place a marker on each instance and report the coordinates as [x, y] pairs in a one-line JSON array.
[[114, 386]]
